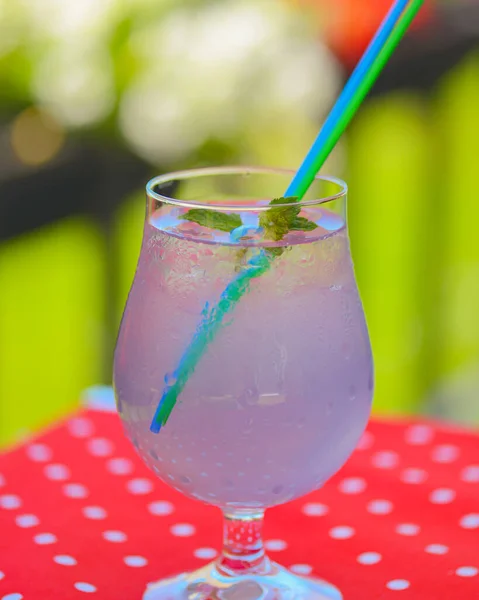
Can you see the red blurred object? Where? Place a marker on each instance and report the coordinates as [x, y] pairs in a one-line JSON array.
[[350, 24]]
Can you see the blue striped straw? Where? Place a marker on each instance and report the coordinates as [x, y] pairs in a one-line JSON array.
[[311, 165]]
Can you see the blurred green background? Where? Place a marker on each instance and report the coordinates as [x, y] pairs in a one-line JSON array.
[[96, 96]]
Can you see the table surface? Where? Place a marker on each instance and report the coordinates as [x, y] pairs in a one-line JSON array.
[[80, 514]]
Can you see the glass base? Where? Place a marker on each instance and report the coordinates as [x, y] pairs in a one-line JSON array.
[[209, 583]]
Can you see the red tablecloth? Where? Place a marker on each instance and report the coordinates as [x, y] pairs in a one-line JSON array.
[[80, 513]]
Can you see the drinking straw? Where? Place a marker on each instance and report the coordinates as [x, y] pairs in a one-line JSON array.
[[369, 68]]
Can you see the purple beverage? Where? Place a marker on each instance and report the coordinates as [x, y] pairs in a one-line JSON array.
[[282, 394], [243, 370]]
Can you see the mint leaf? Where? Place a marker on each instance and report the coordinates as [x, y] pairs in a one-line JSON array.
[[213, 219], [277, 221], [302, 224], [280, 220], [276, 252], [284, 200]]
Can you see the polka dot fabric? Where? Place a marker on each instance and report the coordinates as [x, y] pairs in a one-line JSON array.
[[401, 520]]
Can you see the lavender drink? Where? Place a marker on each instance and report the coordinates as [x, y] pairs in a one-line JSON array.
[[281, 394]]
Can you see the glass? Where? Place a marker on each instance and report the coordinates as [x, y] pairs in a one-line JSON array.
[[277, 394]]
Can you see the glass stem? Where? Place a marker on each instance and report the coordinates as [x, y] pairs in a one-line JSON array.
[[243, 550]]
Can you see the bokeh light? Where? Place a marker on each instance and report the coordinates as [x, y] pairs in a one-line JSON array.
[[247, 64], [36, 137]]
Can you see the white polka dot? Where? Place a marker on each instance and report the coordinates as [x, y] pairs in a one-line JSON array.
[[116, 537], [96, 513], [161, 508], [470, 474], [12, 597], [445, 454], [81, 586], [352, 485], [438, 549], [414, 476], [205, 553], [2, 575], [467, 571], [408, 529], [366, 441], [99, 447], [56, 472], [139, 486], [419, 435], [135, 561], [39, 452], [341, 533], [10, 502], [380, 507], [369, 558], [75, 490], [442, 496], [2, 480], [119, 466], [80, 427], [26, 521], [315, 509], [275, 545], [386, 459], [470, 521], [398, 584], [65, 559], [301, 569], [183, 530], [44, 539]]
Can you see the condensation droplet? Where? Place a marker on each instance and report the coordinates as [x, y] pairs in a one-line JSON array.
[[171, 379], [153, 454], [227, 483]]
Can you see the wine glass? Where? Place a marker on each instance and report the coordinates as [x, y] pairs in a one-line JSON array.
[[243, 371]]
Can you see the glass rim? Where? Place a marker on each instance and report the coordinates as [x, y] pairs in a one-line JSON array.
[[250, 204]]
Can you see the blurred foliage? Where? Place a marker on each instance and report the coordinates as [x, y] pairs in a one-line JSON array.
[[231, 81], [179, 83]]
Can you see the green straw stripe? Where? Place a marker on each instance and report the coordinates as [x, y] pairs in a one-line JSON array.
[[213, 319], [207, 329], [300, 186]]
